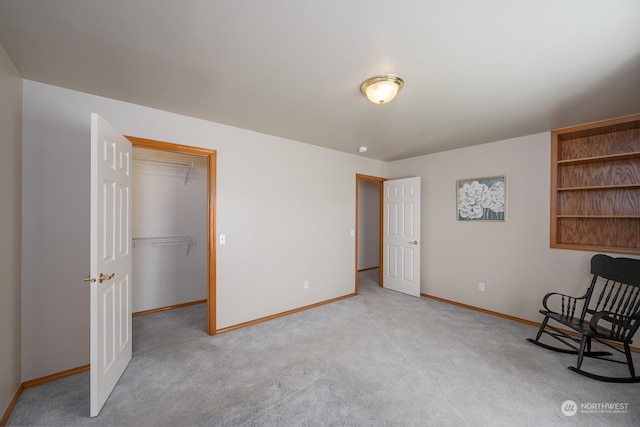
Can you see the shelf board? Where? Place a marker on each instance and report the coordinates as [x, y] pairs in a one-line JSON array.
[[597, 159], [165, 241], [599, 216], [600, 187], [168, 162], [599, 128], [596, 248]]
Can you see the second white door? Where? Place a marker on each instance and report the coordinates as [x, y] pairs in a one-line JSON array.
[[401, 235]]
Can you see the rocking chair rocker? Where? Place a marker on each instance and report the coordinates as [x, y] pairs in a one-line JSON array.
[[609, 312]]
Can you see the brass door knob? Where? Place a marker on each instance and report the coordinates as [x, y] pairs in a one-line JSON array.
[[415, 242], [100, 278]]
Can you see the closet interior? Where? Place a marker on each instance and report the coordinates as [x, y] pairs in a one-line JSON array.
[[169, 229]]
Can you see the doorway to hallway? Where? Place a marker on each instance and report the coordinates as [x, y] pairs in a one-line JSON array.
[[368, 225]]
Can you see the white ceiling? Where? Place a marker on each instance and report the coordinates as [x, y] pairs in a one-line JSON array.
[[474, 71]]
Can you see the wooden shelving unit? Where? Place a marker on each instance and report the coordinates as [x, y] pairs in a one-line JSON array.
[[595, 186]]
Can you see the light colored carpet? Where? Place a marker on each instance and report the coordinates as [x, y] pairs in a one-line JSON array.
[[378, 359]]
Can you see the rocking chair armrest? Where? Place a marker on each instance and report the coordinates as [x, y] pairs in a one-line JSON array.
[[571, 299], [617, 319]]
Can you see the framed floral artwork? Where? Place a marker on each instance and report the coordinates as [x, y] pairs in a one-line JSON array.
[[481, 199]]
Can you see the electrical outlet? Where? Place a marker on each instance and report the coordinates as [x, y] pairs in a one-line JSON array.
[[306, 284], [481, 287]]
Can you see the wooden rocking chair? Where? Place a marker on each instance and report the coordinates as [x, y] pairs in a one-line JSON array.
[[609, 313]]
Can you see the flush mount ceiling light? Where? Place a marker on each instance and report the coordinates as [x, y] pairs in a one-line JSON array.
[[362, 149], [382, 89]]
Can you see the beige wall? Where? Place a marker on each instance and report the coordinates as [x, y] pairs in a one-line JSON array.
[[287, 210], [10, 190], [512, 258]]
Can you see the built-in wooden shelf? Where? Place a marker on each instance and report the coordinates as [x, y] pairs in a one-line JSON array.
[[595, 186]]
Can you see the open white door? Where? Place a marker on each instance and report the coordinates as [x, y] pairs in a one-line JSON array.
[[110, 259], [401, 235]]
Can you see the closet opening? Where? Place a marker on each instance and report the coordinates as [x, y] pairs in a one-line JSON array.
[[173, 227]]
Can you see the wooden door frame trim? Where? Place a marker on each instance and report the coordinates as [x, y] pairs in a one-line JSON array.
[[211, 156], [380, 181]]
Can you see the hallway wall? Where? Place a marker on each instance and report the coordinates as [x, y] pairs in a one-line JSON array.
[[368, 224]]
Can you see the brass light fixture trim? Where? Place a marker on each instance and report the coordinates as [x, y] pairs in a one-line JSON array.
[[382, 89]]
